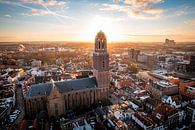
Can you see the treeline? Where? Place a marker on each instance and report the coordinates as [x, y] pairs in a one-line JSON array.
[[46, 57]]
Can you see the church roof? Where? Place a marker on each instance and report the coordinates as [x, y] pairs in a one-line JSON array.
[[62, 86]]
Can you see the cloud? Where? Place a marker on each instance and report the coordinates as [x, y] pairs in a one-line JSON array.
[[180, 13], [36, 12], [46, 3], [136, 8], [8, 15], [190, 22], [183, 10], [153, 11], [42, 12], [58, 14], [142, 3], [15, 3]]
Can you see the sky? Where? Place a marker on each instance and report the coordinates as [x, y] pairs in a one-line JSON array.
[[80, 20]]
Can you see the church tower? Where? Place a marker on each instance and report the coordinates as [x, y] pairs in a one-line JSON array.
[[101, 61]]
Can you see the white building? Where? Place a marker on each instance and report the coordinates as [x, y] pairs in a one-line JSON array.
[[36, 63], [174, 101]]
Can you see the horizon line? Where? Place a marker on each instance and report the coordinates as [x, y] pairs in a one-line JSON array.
[[92, 41]]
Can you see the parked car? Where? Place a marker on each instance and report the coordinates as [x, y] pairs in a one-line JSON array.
[[13, 116], [11, 120], [16, 112], [123, 98]]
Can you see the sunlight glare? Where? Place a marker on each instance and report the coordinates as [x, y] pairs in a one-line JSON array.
[[107, 25]]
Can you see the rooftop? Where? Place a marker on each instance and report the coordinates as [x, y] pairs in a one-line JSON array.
[[62, 86], [163, 111], [162, 84]]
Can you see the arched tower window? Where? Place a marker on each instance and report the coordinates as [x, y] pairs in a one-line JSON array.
[[102, 44], [99, 45]]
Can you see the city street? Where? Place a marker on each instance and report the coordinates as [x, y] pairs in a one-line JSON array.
[[20, 105]]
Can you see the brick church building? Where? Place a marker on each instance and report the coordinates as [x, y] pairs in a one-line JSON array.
[[57, 96]]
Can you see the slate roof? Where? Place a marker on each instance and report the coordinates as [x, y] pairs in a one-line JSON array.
[[44, 79], [62, 86]]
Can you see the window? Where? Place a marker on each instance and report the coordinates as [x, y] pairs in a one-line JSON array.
[[103, 64], [99, 45]]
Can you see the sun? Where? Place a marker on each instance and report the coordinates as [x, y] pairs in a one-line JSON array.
[[107, 25]]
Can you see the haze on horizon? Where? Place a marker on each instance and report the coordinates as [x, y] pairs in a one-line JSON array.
[[121, 20]]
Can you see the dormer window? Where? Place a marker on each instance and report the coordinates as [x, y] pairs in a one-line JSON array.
[[158, 116]]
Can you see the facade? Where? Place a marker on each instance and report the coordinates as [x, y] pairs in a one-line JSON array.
[[175, 101], [190, 114], [142, 121], [160, 89], [142, 58], [57, 97], [192, 63], [74, 125], [147, 58], [186, 89], [168, 115], [150, 104], [192, 59], [147, 122], [185, 66], [169, 42], [133, 55], [36, 63], [182, 67]]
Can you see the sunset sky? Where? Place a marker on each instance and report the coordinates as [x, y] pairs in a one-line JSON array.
[[80, 20]]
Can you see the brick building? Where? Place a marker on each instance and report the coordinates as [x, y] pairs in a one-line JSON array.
[[56, 97], [159, 89]]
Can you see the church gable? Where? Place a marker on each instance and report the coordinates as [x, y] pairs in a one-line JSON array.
[[54, 92]]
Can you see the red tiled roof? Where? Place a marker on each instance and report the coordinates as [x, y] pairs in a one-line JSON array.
[[143, 119], [165, 110]]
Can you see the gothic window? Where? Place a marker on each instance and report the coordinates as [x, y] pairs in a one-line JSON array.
[[76, 98], [99, 45], [29, 104], [73, 102], [80, 99]]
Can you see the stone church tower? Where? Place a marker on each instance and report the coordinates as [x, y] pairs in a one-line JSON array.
[[101, 61]]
